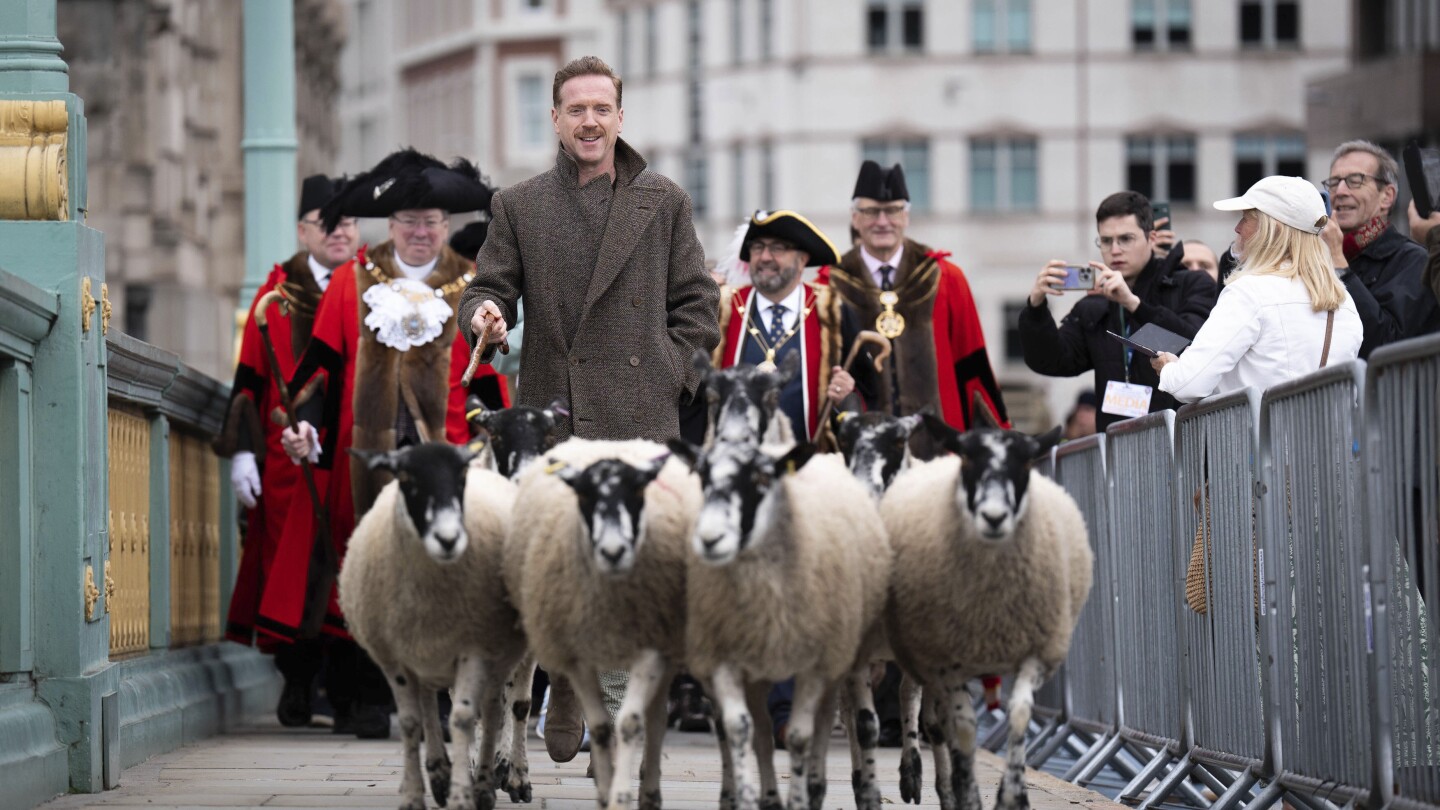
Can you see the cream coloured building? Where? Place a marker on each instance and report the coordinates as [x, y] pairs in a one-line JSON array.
[[1013, 118]]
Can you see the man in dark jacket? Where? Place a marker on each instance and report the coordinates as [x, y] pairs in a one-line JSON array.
[[1383, 271], [1132, 288]]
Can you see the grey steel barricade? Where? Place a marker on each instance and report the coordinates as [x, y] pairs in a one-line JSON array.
[[1216, 444], [1316, 605], [1089, 683], [1402, 446], [1140, 466]]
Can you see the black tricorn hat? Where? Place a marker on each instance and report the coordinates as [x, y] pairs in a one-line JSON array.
[[315, 191], [468, 240], [881, 185], [409, 180], [793, 228]]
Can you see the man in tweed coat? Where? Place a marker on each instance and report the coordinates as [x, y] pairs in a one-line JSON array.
[[617, 299]]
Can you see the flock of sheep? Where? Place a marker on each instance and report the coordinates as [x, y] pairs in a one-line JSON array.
[[747, 562]]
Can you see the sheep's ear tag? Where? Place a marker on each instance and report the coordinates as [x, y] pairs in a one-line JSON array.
[[843, 415], [476, 446], [790, 467], [555, 467], [472, 414]]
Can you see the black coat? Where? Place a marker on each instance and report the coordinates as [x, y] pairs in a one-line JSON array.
[[1170, 296], [1387, 281]]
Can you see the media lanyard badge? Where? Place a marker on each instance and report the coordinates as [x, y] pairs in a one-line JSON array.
[[1126, 399]]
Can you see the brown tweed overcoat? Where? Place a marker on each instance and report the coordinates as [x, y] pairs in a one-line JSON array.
[[617, 299]]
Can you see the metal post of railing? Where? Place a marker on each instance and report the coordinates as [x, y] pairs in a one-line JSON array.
[[1402, 500]]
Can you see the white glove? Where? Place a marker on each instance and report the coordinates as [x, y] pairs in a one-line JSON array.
[[304, 443], [245, 478]]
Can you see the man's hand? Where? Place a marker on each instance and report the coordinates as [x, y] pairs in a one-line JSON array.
[[245, 478], [1335, 240], [1113, 286], [1164, 238], [841, 384], [1052, 275], [1420, 228], [488, 324], [1161, 360], [301, 444]]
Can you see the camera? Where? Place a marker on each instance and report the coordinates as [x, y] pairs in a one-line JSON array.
[[1078, 277]]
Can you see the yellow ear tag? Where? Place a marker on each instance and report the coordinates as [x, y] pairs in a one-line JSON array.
[[476, 446], [843, 415], [555, 466], [472, 414], [790, 467]]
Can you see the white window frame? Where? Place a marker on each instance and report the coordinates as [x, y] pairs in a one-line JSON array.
[[1002, 12], [895, 27], [1005, 149], [1163, 10], [516, 149], [1268, 16]]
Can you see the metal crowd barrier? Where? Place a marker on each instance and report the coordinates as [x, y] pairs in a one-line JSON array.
[[1402, 446], [1315, 596]]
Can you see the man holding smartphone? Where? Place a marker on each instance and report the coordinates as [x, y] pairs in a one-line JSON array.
[[1132, 288]]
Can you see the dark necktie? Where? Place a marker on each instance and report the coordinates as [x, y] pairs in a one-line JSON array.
[[885, 272], [777, 325]]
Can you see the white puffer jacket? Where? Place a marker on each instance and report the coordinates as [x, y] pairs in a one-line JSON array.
[[1262, 331]]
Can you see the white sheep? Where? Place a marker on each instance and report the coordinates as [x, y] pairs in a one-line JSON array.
[[422, 593], [787, 578], [992, 567], [598, 573]]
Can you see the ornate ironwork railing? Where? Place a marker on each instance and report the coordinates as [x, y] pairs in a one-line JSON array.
[[127, 574]]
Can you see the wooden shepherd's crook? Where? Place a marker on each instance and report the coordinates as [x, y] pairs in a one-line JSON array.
[[478, 351], [866, 336], [323, 550]]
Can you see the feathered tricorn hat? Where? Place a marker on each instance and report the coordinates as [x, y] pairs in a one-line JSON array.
[[409, 180]]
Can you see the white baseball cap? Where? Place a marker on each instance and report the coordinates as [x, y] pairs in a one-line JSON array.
[[1292, 200]]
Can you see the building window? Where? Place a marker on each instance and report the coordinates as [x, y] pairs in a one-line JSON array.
[[1004, 174], [652, 43], [736, 26], [532, 108], [1013, 350], [767, 30], [623, 22], [1002, 25], [533, 5], [695, 56], [137, 311], [1258, 156], [1162, 167], [697, 182], [1269, 23], [913, 155], [1160, 25], [895, 26], [737, 179], [767, 175]]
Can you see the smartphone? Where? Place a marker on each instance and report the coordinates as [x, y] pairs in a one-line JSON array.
[[1078, 277], [1325, 195], [1159, 211]]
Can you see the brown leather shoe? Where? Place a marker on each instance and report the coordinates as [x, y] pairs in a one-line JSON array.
[[564, 726]]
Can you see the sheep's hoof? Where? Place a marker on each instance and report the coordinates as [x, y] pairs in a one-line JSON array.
[[517, 786], [485, 800], [650, 800], [771, 801], [912, 776], [727, 799], [413, 803], [438, 771], [816, 788]]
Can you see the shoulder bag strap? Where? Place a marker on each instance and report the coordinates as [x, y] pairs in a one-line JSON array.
[[1329, 327]]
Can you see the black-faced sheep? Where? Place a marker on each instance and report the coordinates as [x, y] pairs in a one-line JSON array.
[[598, 570], [422, 593], [992, 567], [743, 402], [787, 578]]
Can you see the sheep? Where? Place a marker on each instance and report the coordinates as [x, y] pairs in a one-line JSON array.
[[743, 402], [598, 569], [992, 567], [787, 577], [422, 593]]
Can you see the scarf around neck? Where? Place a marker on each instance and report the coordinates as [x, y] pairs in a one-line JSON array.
[[1360, 238]]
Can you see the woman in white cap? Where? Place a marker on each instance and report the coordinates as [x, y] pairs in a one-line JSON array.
[[1283, 313]]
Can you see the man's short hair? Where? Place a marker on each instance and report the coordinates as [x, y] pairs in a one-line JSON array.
[[584, 66], [1123, 203], [1389, 171]]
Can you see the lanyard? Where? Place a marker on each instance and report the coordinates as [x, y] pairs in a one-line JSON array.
[[1129, 352]]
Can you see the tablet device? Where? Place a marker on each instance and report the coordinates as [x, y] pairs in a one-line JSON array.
[[1422, 169], [1150, 340]]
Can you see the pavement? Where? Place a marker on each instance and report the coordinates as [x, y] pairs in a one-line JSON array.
[[264, 765]]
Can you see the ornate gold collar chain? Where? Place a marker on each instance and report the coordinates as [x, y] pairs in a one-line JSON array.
[[442, 291], [753, 327]]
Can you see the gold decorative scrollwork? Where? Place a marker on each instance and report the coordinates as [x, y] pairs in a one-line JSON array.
[[92, 593], [33, 142], [109, 586], [104, 308], [87, 305]]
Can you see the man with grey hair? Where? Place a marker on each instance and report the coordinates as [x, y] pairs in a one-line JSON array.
[[1383, 270]]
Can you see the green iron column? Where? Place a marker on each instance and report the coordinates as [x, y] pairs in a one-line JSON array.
[[270, 140], [44, 241]]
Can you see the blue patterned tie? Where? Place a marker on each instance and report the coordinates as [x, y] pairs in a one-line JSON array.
[[777, 325], [885, 282]]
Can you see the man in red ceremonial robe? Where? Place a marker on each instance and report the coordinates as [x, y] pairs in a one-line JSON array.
[[386, 360], [777, 314], [263, 479], [915, 296]]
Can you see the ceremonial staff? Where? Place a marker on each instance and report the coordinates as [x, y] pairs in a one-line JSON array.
[[861, 339]]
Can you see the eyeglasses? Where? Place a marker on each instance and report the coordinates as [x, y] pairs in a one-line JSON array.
[[874, 211], [778, 250], [412, 224], [345, 224], [1355, 180], [1124, 240]]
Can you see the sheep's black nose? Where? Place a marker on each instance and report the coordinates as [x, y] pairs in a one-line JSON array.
[[612, 558], [447, 543], [709, 543], [993, 520]]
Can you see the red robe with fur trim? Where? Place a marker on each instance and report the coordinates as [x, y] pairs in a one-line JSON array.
[[256, 409], [342, 350]]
